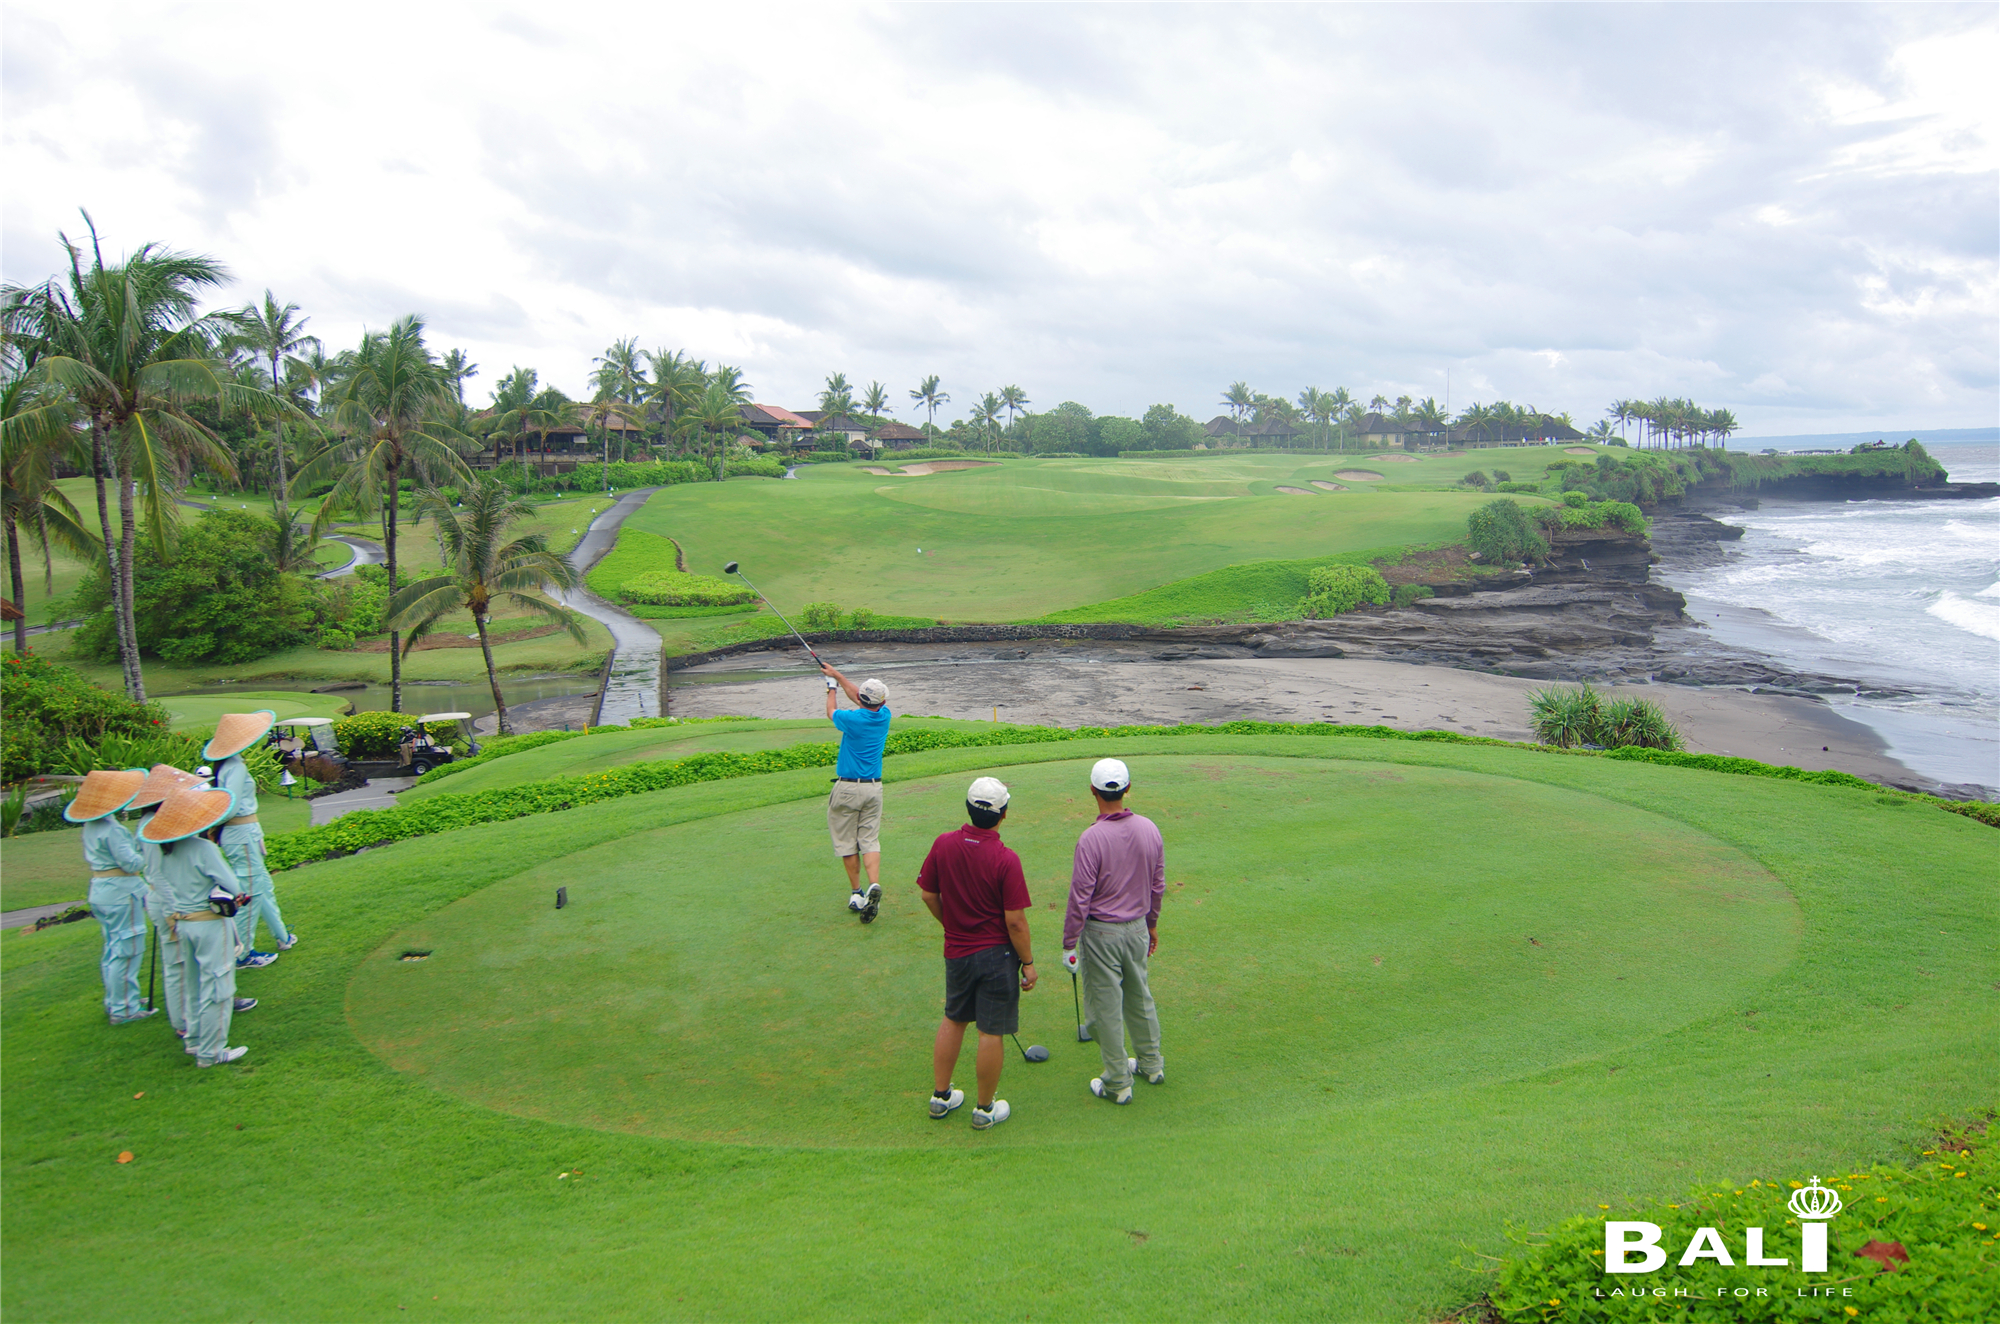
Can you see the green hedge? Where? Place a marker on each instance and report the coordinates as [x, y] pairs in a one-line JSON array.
[[371, 735], [671, 588], [1333, 589]]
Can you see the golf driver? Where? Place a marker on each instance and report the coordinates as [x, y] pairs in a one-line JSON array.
[[731, 569], [1032, 1053], [1082, 1035]]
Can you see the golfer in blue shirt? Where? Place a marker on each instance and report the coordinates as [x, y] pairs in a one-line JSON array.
[[854, 809]]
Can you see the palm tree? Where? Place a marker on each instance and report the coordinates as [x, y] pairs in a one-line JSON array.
[[1316, 405], [127, 348], [837, 399], [393, 418], [1379, 403], [275, 332], [618, 375], [1602, 433], [600, 414], [876, 400], [718, 413], [987, 415], [732, 383], [37, 427], [928, 395], [480, 570], [1338, 405], [1721, 422], [1239, 400], [1016, 401], [459, 368], [677, 382]]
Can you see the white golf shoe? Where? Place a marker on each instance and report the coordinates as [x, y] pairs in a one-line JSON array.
[[856, 901], [228, 1055], [991, 1115], [1157, 1078], [1116, 1096], [941, 1108]]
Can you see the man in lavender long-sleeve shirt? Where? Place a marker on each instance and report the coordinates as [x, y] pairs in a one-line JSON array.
[[1119, 878]]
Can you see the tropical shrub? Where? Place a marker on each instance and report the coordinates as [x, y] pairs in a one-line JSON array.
[[1578, 512], [672, 588], [371, 735], [177, 749], [220, 598], [1569, 718], [1502, 476], [360, 605], [821, 616], [1941, 1209], [1406, 594], [1333, 589], [863, 619], [1501, 532], [1477, 478], [335, 640], [44, 706], [1517, 487]]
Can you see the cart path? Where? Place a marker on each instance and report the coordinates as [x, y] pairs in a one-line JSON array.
[[375, 793], [366, 552], [25, 918], [632, 688]]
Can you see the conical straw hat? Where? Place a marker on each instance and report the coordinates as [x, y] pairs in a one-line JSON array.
[[236, 732], [104, 792], [187, 812], [162, 782]]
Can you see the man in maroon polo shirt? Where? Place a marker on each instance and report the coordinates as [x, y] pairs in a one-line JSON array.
[[974, 886]]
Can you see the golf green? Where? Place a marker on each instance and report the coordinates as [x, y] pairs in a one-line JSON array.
[[705, 982], [197, 712]]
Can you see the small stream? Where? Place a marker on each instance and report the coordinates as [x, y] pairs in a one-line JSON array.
[[423, 696]]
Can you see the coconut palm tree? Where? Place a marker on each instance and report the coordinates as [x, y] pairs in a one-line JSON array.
[[127, 347], [677, 382], [458, 368], [987, 415], [618, 375], [37, 430], [481, 570], [718, 414], [876, 400], [1016, 401], [276, 332], [394, 418], [1239, 400], [930, 397], [1721, 422], [732, 383], [1378, 403]]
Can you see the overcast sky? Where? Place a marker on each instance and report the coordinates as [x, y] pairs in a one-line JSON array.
[[1791, 211]]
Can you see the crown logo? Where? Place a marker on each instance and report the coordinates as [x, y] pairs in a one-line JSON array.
[[1814, 1201]]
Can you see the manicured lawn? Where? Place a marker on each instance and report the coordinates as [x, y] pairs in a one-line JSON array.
[[43, 868], [1595, 982], [191, 712], [1028, 537]]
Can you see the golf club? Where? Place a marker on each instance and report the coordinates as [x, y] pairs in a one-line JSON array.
[[1032, 1053], [153, 970], [1082, 1035], [731, 569]]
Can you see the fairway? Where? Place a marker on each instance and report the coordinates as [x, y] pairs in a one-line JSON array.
[[1028, 537], [1308, 964], [193, 712]]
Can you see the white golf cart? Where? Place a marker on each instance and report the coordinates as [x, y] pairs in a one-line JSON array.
[[424, 748], [305, 747]]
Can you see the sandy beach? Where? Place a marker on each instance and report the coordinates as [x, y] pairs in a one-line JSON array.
[[1080, 691]]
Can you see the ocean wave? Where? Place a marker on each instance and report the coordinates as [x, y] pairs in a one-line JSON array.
[[1992, 590], [1972, 617]]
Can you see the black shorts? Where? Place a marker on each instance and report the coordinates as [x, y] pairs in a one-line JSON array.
[[984, 987]]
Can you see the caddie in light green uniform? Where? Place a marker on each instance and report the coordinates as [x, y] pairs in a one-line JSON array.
[[193, 870], [161, 782], [243, 835], [117, 885]]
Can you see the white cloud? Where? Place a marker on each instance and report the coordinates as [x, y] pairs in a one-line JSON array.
[[1118, 205]]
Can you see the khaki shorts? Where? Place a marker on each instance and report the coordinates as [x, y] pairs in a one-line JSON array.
[[854, 817]]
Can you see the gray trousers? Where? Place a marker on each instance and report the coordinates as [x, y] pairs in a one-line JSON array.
[[208, 950], [173, 962], [1115, 998]]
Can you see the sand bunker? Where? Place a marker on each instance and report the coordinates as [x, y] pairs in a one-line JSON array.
[[1398, 459], [1324, 486], [1357, 475], [1578, 450], [945, 466], [1294, 491]]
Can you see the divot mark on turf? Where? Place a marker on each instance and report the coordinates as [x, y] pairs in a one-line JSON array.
[[414, 956]]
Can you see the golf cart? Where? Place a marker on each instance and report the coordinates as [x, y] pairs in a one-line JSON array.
[[420, 751], [305, 747]]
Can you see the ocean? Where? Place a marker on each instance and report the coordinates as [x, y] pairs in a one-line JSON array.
[[1902, 596]]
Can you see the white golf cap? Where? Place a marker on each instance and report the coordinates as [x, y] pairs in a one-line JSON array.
[[1110, 775], [988, 793], [873, 692]]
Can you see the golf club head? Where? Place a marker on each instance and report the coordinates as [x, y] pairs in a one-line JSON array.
[[1082, 1034], [729, 569], [1036, 1053]]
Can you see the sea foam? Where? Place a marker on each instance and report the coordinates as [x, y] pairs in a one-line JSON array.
[[1975, 617]]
